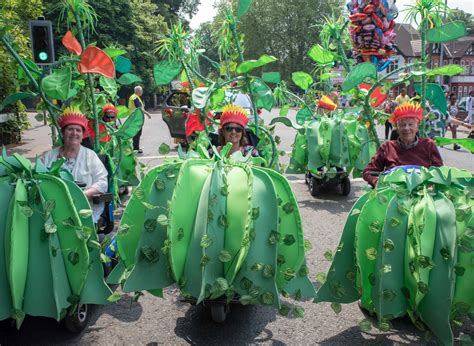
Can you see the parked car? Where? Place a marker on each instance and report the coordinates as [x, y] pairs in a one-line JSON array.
[[175, 112]]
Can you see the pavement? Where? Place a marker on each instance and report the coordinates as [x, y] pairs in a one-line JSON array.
[[152, 321]]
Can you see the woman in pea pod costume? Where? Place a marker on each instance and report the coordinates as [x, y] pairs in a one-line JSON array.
[[218, 227], [407, 248]]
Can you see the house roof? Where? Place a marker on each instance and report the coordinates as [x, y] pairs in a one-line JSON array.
[[456, 49], [407, 41]]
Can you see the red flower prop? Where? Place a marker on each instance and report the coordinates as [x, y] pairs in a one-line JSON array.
[[94, 60], [407, 110], [194, 125], [71, 43], [377, 96], [326, 103]]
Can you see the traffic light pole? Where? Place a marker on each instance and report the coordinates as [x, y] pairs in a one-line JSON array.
[[51, 108]]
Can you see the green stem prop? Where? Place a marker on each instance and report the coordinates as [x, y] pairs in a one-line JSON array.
[[51, 107], [233, 28], [423, 76], [90, 83]]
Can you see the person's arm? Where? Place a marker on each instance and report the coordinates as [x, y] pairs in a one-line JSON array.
[[100, 183], [138, 104], [436, 159], [376, 164]]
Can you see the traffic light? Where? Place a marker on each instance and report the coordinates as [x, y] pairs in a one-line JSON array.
[[41, 33]]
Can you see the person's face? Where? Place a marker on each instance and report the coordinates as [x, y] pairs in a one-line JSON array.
[[139, 92], [233, 133], [407, 129], [73, 135], [109, 116], [453, 100], [403, 92]]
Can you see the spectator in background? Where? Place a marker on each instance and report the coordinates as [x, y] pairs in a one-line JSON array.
[[403, 97], [388, 107], [135, 102], [469, 107]]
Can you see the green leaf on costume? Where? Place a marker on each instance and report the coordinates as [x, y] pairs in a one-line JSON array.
[[129, 78], [447, 70], [110, 86], [244, 6], [164, 149], [122, 64], [320, 55], [131, 126], [271, 77], [165, 71], [302, 79], [358, 75], [57, 84], [446, 32], [262, 94], [249, 65]]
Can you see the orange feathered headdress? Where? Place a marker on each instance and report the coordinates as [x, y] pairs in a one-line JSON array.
[[72, 115], [407, 110], [234, 114], [109, 107]]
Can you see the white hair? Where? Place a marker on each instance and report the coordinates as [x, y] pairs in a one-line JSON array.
[[138, 88]]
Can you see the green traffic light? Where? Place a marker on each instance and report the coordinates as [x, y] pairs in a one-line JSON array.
[[43, 56]]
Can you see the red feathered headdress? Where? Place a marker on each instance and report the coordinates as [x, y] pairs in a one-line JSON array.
[[72, 115], [407, 110], [234, 114], [109, 107]]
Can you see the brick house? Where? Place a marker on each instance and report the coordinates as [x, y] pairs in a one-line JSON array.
[[459, 52]]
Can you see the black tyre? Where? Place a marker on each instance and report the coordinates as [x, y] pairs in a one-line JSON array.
[[76, 322], [218, 313], [314, 186], [345, 186]]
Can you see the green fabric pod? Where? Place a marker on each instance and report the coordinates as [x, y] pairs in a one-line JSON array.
[[412, 239], [228, 224]]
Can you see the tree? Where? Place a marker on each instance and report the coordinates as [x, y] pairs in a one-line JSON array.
[[14, 18], [175, 7], [465, 17], [285, 29], [208, 43], [132, 25]]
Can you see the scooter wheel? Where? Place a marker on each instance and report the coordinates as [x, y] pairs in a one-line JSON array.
[[314, 186], [218, 313], [345, 186], [77, 322]]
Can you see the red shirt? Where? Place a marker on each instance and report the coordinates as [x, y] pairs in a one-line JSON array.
[[391, 154]]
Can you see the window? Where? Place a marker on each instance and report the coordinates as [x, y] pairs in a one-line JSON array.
[[465, 91], [463, 65], [393, 66], [472, 67], [453, 89]]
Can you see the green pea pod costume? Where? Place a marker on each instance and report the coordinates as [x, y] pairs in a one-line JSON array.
[[215, 227], [49, 255], [407, 248], [339, 141]]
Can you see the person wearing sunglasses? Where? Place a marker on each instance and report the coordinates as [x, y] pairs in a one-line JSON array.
[[232, 130], [109, 115]]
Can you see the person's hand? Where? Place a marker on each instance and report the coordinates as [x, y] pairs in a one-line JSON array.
[[467, 125]]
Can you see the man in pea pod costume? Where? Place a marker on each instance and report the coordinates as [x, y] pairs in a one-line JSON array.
[[217, 227], [407, 245]]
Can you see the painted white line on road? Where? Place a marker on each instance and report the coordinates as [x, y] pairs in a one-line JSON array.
[[155, 157], [302, 181]]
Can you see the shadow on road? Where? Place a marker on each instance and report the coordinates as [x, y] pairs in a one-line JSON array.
[[243, 325], [332, 201], [46, 331]]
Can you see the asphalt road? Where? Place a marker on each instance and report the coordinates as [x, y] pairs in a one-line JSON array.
[[154, 321]]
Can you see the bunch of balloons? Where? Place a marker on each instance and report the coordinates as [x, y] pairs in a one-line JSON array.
[[372, 30]]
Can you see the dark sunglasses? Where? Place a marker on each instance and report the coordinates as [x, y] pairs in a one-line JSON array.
[[233, 128]]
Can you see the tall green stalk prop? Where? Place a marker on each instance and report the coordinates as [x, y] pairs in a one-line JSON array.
[[425, 13]]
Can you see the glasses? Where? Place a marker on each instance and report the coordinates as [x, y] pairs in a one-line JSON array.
[[233, 128]]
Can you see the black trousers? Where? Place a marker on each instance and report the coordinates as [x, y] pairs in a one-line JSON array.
[[136, 140], [388, 127]]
